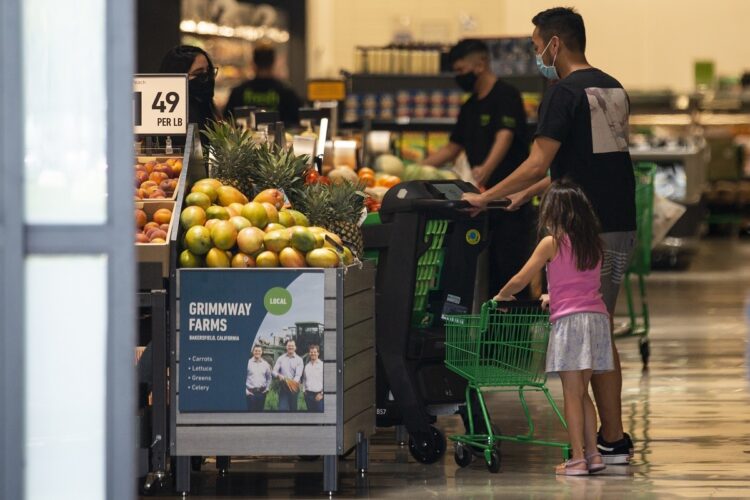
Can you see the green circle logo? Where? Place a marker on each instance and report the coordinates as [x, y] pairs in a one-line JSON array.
[[473, 237], [278, 301]]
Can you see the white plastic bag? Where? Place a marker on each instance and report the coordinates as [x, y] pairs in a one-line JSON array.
[[666, 215], [463, 170]]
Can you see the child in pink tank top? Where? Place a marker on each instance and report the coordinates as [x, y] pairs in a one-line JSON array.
[[580, 343]]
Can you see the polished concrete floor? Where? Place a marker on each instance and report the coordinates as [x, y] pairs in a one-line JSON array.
[[689, 416]]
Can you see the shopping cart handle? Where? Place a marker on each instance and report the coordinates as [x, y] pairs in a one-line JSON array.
[[514, 304], [429, 204], [498, 204]]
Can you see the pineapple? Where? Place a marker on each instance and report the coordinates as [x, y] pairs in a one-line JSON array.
[[337, 208], [315, 202], [232, 155], [278, 168]]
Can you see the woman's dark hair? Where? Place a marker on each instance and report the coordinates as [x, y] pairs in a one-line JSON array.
[[180, 59], [565, 23], [565, 211]]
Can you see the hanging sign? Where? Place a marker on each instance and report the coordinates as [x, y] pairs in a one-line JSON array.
[[160, 104]]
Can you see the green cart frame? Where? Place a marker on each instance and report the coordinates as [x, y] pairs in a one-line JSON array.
[[503, 349], [640, 265]]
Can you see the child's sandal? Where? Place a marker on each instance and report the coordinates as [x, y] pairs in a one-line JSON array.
[[567, 468], [595, 467]]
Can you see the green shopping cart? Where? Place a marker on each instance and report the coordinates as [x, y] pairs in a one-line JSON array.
[[503, 349], [640, 265]]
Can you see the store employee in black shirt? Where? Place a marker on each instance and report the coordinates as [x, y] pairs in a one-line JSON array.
[[491, 129], [266, 91], [583, 135]]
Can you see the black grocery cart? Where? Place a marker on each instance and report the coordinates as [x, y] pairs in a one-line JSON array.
[[502, 349]]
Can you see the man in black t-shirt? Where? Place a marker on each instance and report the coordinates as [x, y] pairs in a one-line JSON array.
[[491, 130], [583, 135], [265, 91]]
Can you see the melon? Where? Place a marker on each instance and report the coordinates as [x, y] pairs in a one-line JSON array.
[[389, 164]]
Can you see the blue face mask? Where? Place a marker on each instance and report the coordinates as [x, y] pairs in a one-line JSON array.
[[548, 72]]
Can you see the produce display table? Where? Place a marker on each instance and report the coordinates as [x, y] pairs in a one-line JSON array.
[[221, 314]]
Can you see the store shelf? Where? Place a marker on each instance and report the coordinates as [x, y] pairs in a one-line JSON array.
[[366, 82]]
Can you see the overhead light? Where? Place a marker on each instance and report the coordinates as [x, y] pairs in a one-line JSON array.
[[250, 33]]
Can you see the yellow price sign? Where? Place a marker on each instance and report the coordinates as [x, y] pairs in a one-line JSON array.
[[326, 90]]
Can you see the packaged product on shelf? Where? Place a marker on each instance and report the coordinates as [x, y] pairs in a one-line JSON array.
[[437, 111], [412, 146], [420, 111], [403, 112], [455, 97], [421, 98], [436, 140], [437, 97], [403, 98], [386, 114], [370, 102]]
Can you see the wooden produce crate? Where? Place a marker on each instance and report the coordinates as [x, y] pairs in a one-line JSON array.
[[156, 252], [162, 159]]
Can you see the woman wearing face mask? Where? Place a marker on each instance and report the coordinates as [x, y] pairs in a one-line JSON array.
[[201, 80]]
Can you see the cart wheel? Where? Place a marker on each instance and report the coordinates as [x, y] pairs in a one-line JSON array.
[[645, 352], [493, 464], [463, 455], [429, 449]]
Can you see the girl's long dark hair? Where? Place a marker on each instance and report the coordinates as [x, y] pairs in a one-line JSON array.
[[565, 211]]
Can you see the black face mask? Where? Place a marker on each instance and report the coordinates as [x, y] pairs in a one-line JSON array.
[[201, 87], [466, 81]]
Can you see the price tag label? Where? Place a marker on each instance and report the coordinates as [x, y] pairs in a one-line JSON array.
[[160, 104]]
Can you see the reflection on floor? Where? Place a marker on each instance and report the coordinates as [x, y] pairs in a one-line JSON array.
[[689, 415]]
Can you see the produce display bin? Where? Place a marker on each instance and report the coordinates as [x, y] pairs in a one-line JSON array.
[[156, 252], [211, 348]]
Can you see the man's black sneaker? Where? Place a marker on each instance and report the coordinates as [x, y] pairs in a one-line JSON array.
[[617, 453]]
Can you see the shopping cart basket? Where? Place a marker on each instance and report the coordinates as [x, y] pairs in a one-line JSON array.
[[640, 265], [502, 349]]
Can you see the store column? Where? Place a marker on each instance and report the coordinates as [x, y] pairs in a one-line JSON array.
[[66, 260]]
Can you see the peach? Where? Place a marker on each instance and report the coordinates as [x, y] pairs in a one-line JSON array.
[[176, 169], [164, 227], [157, 177], [157, 194], [140, 218], [141, 238], [163, 168], [157, 233], [162, 216]]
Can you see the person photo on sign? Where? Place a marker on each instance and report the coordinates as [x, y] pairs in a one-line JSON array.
[[258, 380], [583, 135], [288, 370], [201, 72], [313, 380]]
